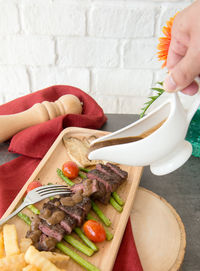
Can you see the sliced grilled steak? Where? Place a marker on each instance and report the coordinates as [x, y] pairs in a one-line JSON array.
[[46, 243], [108, 171], [105, 199], [34, 235], [87, 186], [68, 223], [55, 231], [102, 195], [122, 173], [109, 183], [74, 212], [51, 214], [85, 204]]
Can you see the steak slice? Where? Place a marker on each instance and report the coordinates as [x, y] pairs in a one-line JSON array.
[[87, 186], [107, 170], [109, 183], [74, 212], [46, 243], [105, 199], [122, 173], [68, 223], [55, 231], [85, 205], [102, 195]]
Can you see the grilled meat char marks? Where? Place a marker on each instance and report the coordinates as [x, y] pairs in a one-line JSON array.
[[61, 215], [46, 243], [110, 183], [77, 213], [55, 231], [122, 173], [68, 224], [108, 171]]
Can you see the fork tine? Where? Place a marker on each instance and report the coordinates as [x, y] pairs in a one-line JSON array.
[[54, 191], [53, 194], [47, 187]]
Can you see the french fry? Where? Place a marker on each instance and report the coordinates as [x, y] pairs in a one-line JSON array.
[[24, 244], [14, 263], [33, 256], [30, 267], [1, 245], [10, 240], [60, 260]]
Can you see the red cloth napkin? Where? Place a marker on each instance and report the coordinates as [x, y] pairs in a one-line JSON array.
[[32, 143]]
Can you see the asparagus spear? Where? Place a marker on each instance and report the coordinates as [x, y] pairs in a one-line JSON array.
[[65, 179], [24, 217], [86, 240], [117, 198], [34, 209], [115, 204], [100, 214], [96, 209], [87, 265], [78, 245]]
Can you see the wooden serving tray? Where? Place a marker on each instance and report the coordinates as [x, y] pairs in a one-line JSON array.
[[46, 172], [158, 231]]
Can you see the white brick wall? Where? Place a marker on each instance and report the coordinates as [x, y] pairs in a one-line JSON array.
[[105, 47]]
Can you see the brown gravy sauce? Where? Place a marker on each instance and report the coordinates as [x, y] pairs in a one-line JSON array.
[[123, 140]]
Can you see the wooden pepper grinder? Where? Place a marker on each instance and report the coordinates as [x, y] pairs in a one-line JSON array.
[[38, 113]]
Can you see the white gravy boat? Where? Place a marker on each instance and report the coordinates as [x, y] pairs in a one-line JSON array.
[[164, 150]]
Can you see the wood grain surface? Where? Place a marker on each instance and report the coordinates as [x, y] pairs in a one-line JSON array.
[[46, 172]]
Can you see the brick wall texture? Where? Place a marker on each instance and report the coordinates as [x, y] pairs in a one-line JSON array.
[[105, 47]]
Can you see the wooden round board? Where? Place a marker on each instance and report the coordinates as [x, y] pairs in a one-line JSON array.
[[158, 231]]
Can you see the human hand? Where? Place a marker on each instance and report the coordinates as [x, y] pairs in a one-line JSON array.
[[183, 61]]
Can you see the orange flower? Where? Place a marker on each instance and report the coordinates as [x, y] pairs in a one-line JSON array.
[[164, 42]]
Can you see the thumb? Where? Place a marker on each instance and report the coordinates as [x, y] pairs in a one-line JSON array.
[[184, 72]]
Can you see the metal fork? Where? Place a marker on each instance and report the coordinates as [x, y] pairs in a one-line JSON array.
[[37, 195]]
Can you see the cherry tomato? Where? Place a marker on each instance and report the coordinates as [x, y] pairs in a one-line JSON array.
[[33, 185], [70, 169], [94, 231]]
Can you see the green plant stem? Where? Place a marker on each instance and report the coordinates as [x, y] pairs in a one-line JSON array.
[[152, 99], [34, 209], [115, 205], [100, 214], [109, 235], [25, 218], [78, 245], [87, 265], [95, 208], [86, 240], [82, 175], [117, 198], [84, 169], [65, 179]]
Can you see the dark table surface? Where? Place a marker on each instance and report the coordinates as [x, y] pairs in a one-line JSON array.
[[180, 188]]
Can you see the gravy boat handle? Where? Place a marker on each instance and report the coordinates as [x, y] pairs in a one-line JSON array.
[[193, 108]]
